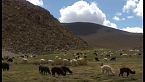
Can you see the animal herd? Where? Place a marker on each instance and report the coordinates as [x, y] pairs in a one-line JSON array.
[[60, 66]]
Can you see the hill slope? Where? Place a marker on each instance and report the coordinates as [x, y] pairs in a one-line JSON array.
[[105, 37], [27, 28]]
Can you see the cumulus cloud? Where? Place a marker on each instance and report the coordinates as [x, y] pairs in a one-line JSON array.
[[36, 2], [81, 11], [108, 23], [133, 29], [130, 4], [116, 18], [135, 6], [139, 9]]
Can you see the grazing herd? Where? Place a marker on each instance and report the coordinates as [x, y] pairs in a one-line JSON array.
[[60, 65]]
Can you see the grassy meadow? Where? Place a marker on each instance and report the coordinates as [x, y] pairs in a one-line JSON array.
[[89, 73]]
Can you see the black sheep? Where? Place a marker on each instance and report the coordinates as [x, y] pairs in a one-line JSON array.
[[127, 70], [57, 70], [5, 66], [44, 70]]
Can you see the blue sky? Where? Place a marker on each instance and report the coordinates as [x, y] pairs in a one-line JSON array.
[[120, 14]]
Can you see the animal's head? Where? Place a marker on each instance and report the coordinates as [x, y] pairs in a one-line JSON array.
[[133, 72]]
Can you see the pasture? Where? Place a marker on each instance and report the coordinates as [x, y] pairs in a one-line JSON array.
[[91, 72]]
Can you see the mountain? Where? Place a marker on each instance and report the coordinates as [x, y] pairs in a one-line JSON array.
[[27, 28], [100, 36]]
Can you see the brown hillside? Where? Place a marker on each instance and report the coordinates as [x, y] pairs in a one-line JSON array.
[[27, 28], [99, 36]]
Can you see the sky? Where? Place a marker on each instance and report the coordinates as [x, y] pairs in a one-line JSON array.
[[125, 15]]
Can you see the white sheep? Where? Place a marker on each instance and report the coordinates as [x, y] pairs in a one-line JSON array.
[[106, 69]]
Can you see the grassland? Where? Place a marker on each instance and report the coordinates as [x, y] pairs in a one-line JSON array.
[[89, 73]]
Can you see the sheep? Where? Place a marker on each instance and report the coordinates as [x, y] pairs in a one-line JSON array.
[[5, 66], [127, 70], [106, 69]]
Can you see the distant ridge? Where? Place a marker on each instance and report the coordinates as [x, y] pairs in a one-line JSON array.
[[100, 36]]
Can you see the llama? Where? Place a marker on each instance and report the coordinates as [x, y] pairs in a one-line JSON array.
[[127, 70], [44, 70], [106, 69], [57, 70]]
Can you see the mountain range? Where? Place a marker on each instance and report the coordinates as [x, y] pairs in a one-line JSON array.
[[99, 36]]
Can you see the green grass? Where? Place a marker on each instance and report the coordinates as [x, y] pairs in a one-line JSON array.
[[89, 73]]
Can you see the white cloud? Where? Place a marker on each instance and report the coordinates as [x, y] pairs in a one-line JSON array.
[[81, 11], [36, 2], [118, 14], [116, 18], [129, 17], [108, 23], [133, 29], [139, 9], [135, 6], [130, 4]]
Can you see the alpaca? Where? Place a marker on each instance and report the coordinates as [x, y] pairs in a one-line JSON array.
[[106, 69], [127, 70], [44, 70], [57, 70], [5, 66], [66, 69]]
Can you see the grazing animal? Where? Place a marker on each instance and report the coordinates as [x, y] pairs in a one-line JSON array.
[[97, 59], [66, 69], [44, 70], [5, 66], [106, 69], [113, 59], [57, 70], [127, 70], [10, 60], [106, 59]]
